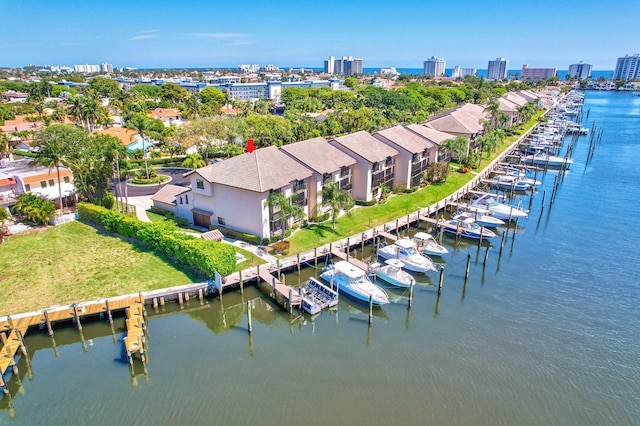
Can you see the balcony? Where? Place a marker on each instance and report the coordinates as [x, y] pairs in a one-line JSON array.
[[299, 199]]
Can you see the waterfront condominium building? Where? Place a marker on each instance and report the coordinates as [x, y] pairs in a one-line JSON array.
[[580, 70], [536, 74], [434, 66], [627, 68], [346, 65], [497, 70], [459, 72]]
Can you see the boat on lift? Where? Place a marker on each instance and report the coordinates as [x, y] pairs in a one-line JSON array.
[[428, 244], [354, 282], [392, 273]]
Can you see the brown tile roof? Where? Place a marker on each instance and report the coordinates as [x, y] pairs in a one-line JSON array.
[[456, 122], [435, 136], [168, 193], [125, 135], [260, 171], [319, 155], [166, 112], [515, 98], [506, 105], [366, 146], [405, 139], [213, 235]]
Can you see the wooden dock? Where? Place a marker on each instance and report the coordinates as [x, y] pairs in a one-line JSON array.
[[10, 346], [134, 341]]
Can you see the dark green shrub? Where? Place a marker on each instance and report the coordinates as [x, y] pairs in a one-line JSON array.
[[207, 256], [366, 203]]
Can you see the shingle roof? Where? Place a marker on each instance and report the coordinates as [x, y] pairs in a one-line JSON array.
[[506, 105], [319, 155], [435, 136], [406, 139], [168, 193], [456, 122], [260, 171], [515, 98], [366, 146]]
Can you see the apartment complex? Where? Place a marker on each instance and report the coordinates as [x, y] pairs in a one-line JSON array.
[[580, 70], [536, 74], [498, 69], [459, 72], [627, 68], [434, 66], [346, 66]]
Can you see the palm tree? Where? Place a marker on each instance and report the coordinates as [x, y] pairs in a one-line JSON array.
[[90, 112], [52, 150], [279, 203], [337, 199], [76, 108], [493, 108], [458, 146], [193, 161], [139, 123]]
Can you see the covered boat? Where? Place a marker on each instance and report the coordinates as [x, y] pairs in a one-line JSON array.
[[392, 273], [354, 281], [405, 250]]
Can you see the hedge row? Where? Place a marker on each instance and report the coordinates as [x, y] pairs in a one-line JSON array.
[[242, 236], [207, 256], [156, 161]]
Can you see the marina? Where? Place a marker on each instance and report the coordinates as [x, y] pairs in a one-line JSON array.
[[522, 333]]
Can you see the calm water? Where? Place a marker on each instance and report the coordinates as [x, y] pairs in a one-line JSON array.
[[547, 333]]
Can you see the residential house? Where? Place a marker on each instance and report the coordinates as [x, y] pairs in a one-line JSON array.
[[176, 199], [19, 176], [375, 163], [168, 116], [233, 193], [415, 154], [328, 165], [128, 137], [13, 96]]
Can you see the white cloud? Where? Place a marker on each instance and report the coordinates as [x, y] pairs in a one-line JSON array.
[[216, 35], [143, 37]]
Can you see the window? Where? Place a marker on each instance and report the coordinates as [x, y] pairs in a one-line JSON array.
[[51, 182], [43, 184], [221, 221], [180, 200], [389, 161], [66, 179], [199, 184], [186, 199], [27, 187]]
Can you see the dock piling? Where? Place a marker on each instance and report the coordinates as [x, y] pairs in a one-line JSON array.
[[249, 327], [441, 279], [486, 255], [370, 308], [466, 271]]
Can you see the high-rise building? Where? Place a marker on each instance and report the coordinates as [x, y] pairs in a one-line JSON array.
[[329, 65], [106, 67], [580, 70], [86, 68], [498, 69], [459, 72], [627, 68], [434, 66], [536, 74], [346, 65]]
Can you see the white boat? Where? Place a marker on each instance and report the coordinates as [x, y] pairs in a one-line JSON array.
[[542, 159], [354, 281], [469, 229], [405, 250], [521, 175], [510, 182], [479, 217], [317, 296], [429, 245], [500, 210], [392, 273]]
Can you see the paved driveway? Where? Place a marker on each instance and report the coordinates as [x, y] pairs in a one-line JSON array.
[[176, 179]]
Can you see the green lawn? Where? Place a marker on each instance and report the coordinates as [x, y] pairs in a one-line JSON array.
[[75, 262], [363, 218]]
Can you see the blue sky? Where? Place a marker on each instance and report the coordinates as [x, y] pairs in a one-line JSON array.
[[188, 33]]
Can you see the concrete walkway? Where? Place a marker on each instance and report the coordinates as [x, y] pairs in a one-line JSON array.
[[142, 204]]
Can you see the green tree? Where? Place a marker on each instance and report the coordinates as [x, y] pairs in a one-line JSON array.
[[351, 82], [213, 97], [104, 87], [36, 209], [282, 206], [173, 93], [193, 161], [459, 147], [335, 198], [52, 143]]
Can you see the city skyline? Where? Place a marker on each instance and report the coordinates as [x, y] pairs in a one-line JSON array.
[[196, 34]]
